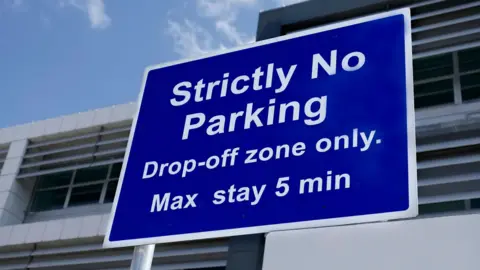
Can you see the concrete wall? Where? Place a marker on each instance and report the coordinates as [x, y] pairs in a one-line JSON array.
[[16, 194], [442, 243], [54, 230]]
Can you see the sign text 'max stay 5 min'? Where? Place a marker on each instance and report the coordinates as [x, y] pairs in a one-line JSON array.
[[311, 129]]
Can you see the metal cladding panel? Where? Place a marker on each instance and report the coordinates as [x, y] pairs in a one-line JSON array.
[[89, 147], [90, 255], [432, 243]]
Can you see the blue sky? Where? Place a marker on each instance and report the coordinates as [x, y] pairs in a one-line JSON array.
[[65, 56]]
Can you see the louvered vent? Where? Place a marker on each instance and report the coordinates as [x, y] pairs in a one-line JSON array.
[[3, 155], [446, 50], [449, 172], [205, 255], [92, 147], [445, 26], [446, 47]]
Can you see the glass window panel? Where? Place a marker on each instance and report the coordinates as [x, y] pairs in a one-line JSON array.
[[442, 207], [471, 93], [85, 195], [431, 67], [111, 188], [434, 100], [434, 93], [54, 180], [469, 59], [475, 203], [91, 174], [433, 88], [49, 200], [116, 169], [470, 86]]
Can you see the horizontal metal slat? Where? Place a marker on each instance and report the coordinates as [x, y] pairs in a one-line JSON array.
[[39, 262], [109, 152], [447, 145], [446, 50], [191, 265], [448, 162], [57, 160], [72, 158], [77, 147], [445, 23], [79, 137], [444, 11], [434, 79], [446, 36], [446, 90], [425, 3], [470, 87], [60, 150], [448, 179], [470, 72], [69, 168], [13, 266], [67, 249], [449, 197], [15, 254]]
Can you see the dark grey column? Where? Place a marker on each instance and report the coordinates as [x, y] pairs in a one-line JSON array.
[[246, 252], [314, 12]]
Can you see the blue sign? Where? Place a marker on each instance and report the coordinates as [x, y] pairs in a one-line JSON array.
[[312, 129]]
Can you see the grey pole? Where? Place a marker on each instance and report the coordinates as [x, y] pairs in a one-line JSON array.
[[142, 257]]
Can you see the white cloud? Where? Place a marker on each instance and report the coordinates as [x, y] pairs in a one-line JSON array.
[[225, 15], [230, 31], [95, 9], [191, 40], [96, 14]]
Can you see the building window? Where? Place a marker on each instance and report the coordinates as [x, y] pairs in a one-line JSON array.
[[3, 155], [93, 185], [447, 78], [433, 80], [469, 67], [475, 203]]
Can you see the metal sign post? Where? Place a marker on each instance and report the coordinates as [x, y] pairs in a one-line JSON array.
[[142, 257]]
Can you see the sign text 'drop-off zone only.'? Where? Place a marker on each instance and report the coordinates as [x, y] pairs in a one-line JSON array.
[[311, 129]]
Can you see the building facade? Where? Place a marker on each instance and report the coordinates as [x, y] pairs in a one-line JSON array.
[[58, 176]]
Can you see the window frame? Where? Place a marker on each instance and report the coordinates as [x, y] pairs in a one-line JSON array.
[[71, 185]]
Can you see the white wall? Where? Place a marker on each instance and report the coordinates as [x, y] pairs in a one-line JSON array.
[[442, 243]]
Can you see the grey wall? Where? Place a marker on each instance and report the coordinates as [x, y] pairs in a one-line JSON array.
[[443, 243]]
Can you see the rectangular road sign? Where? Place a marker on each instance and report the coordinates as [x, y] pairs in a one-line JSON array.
[[311, 129]]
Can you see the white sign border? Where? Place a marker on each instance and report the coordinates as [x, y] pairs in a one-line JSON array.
[[412, 211]]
